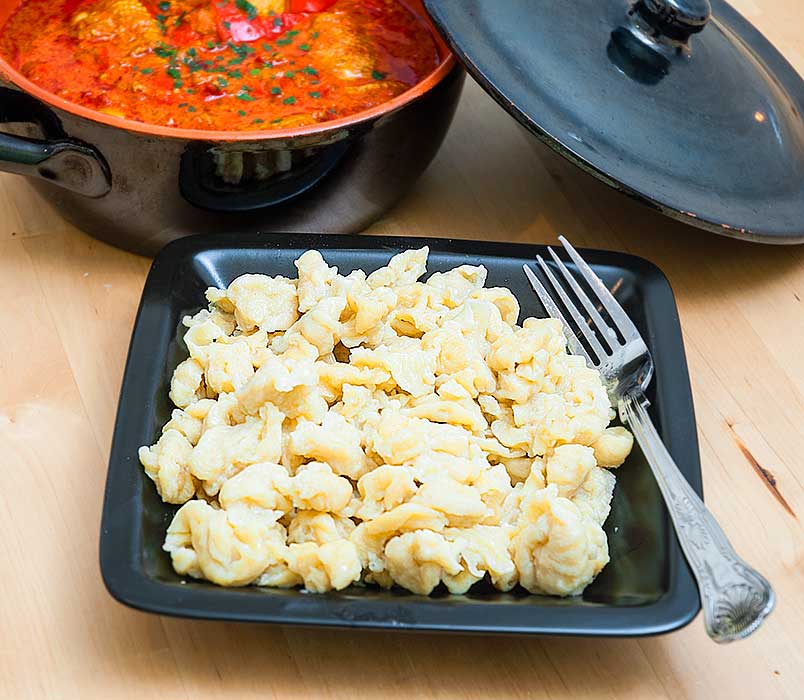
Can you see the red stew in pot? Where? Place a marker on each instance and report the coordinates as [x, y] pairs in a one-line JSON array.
[[221, 64]]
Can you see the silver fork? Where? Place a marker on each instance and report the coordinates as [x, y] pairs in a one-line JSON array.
[[735, 598]]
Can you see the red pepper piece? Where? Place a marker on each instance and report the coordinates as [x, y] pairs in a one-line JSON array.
[[310, 5], [233, 24]]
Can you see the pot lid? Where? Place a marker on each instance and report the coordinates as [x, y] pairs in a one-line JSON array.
[[678, 103]]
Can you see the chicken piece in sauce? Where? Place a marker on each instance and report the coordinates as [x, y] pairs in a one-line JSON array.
[[127, 22], [342, 49]]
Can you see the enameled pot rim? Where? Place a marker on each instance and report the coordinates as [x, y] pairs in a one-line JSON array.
[[446, 66]]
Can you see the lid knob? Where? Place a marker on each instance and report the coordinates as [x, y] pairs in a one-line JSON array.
[[674, 19]]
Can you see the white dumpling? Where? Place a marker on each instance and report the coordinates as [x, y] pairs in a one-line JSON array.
[[557, 549], [269, 303], [613, 446], [314, 526], [335, 442], [334, 565], [167, 465], [568, 466], [225, 450], [316, 487], [594, 495], [419, 560], [210, 543]]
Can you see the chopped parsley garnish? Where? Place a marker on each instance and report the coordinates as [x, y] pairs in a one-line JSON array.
[[179, 19], [293, 32], [314, 35], [223, 82], [241, 113], [164, 6], [277, 21], [235, 74], [182, 104], [173, 73], [289, 100], [258, 121], [315, 95], [161, 18], [248, 8], [241, 51], [245, 97], [309, 70], [276, 121], [254, 71], [284, 42], [289, 74], [276, 91], [146, 71], [164, 51], [211, 44], [246, 88], [191, 51], [378, 75], [191, 109], [227, 25], [178, 83], [304, 47], [192, 65], [267, 47]]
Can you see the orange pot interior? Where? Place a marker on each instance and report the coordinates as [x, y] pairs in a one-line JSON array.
[[7, 7]]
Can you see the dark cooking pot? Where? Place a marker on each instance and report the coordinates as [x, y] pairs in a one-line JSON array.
[[139, 186]]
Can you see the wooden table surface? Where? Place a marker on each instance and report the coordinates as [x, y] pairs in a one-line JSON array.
[[66, 315]]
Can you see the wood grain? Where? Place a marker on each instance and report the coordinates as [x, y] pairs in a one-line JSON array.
[[68, 305]]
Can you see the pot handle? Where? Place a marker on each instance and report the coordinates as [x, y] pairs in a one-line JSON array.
[[65, 162]]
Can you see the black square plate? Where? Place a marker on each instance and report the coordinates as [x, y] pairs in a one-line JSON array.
[[647, 587]]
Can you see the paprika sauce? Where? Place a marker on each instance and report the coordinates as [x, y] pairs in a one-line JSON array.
[[221, 64]]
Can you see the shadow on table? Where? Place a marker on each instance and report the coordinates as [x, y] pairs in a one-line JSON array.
[[301, 662], [605, 218]]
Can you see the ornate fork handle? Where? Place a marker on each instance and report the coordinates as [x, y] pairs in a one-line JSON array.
[[735, 597]]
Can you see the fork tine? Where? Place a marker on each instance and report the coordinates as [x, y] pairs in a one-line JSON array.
[[618, 315], [583, 327], [550, 306], [603, 328]]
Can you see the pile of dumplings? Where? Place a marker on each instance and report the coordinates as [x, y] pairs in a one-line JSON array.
[[335, 430]]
